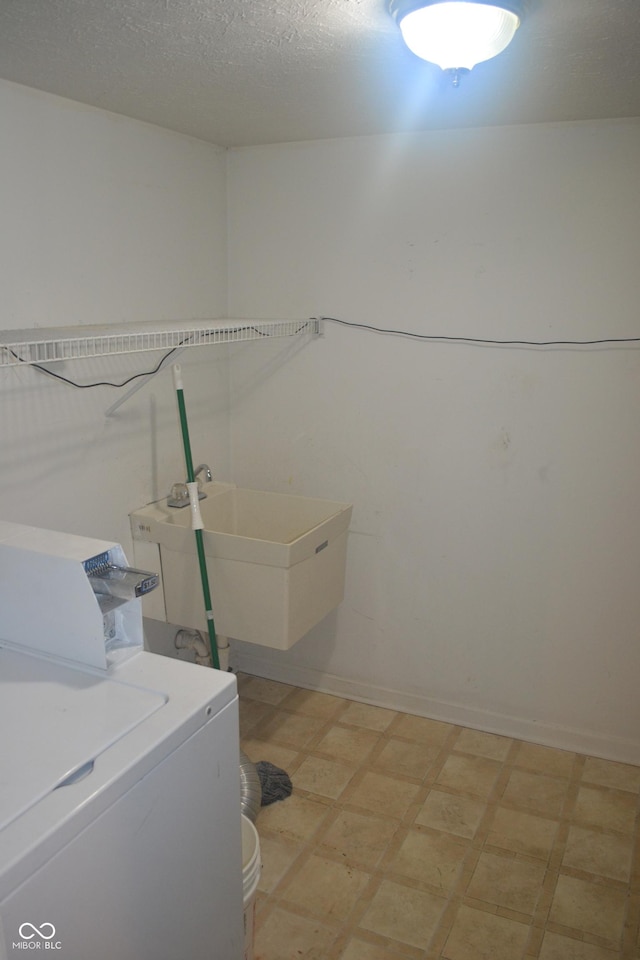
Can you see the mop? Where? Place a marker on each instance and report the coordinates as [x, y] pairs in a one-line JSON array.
[[196, 517], [274, 783]]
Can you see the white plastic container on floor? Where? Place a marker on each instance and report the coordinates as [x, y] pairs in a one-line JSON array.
[[251, 865]]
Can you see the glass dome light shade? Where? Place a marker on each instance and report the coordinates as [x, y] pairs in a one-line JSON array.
[[458, 34]]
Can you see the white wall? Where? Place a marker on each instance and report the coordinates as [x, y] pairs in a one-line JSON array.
[[104, 220], [494, 553], [494, 556]]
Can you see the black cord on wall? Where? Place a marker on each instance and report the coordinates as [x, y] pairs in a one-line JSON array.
[[512, 343], [346, 323]]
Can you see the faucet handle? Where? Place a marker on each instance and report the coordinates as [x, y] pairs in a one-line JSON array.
[[179, 496]]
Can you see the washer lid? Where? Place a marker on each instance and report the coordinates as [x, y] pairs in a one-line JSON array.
[[55, 720]]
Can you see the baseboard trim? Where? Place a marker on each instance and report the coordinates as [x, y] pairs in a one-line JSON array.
[[550, 735]]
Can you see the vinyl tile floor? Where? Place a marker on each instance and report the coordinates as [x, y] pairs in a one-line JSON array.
[[411, 839]]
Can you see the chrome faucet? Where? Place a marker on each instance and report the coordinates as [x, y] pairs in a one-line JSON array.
[[179, 496], [203, 468]]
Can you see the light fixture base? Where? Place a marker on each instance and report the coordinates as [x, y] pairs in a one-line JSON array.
[[400, 8]]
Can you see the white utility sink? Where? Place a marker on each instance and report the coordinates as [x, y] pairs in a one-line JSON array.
[[276, 562]]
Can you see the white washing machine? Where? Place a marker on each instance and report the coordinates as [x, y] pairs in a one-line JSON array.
[[119, 811], [120, 831]]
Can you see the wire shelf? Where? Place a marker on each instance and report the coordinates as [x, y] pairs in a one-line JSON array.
[[48, 345]]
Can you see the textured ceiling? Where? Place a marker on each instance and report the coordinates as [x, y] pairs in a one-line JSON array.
[[237, 72]]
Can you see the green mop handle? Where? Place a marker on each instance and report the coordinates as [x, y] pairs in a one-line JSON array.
[[196, 517]]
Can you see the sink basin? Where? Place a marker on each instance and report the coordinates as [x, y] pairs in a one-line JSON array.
[[276, 562]]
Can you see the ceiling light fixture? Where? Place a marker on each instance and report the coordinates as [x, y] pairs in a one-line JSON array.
[[457, 34]]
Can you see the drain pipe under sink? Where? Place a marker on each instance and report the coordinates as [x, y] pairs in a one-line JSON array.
[[195, 640]]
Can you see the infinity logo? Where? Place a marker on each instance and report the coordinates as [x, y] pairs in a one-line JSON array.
[[39, 931]]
